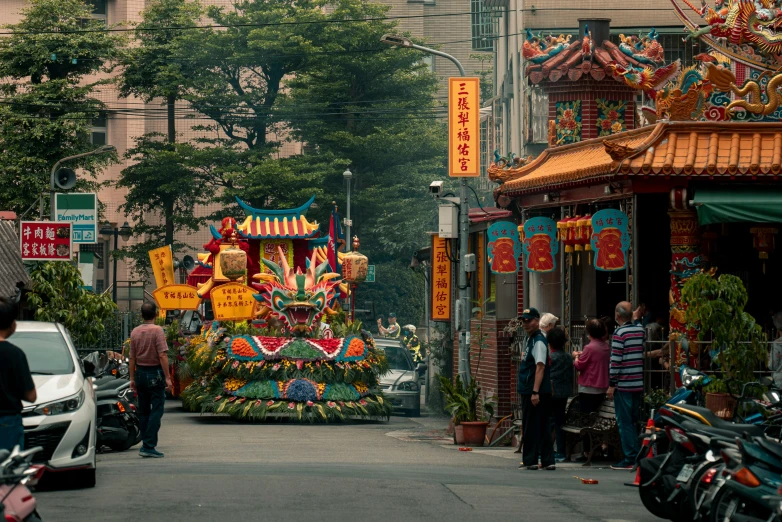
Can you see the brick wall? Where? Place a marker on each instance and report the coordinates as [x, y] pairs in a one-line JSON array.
[[588, 90]]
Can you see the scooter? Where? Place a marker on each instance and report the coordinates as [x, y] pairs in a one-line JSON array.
[[16, 473]]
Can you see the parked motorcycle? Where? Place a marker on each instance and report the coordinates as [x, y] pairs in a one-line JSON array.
[[16, 473]]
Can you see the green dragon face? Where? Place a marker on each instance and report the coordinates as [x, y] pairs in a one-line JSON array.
[[298, 299]]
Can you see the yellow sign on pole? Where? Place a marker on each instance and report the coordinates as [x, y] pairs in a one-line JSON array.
[[162, 265], [442, 287], [464, 134], [232, 302], [177, 297]]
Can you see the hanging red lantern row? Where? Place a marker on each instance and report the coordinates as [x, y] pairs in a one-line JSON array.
[[584, 235], [764, 241], [566, 232]]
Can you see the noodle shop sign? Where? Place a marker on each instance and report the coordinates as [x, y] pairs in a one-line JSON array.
[[45, 241], [232, 302], [610, 240]]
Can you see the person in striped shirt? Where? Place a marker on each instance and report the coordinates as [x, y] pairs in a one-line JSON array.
[[626, 384]]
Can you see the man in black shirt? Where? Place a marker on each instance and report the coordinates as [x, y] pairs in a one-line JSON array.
[[16, 383]]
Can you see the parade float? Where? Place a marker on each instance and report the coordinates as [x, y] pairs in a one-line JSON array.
[[272, 282]]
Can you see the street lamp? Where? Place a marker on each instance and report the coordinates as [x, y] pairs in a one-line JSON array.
[[107, 231], [464, 225], [99, 150]]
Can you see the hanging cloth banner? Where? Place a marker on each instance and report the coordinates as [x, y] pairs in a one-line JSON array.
[[610, 240], [540, 244], [504, 248]]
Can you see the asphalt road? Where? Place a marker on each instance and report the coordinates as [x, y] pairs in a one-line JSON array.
[[216, 469]]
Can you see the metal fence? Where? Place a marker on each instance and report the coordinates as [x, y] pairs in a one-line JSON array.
[[117, 330]]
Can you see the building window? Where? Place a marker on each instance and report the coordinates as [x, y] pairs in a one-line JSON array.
[[99, 10], [538, 101], [484, 26], [99, 130]]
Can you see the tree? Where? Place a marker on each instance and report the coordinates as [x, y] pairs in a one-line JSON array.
[[162, 179], [47, 111], [238, 70], [376, 108], [396, 289], [58, 295], [151, 68]]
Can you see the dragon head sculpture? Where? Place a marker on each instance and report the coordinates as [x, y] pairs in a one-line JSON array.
[[298, 299]]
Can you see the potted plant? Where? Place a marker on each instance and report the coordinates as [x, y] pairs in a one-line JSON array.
[[715, 306], [462, 404]]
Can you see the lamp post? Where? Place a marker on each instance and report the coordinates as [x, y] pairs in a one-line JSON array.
[[464, 225], [348, 223], [52, 186], [107, 231]]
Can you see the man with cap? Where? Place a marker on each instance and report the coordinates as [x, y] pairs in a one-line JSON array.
[[534, 387], [393, 329]]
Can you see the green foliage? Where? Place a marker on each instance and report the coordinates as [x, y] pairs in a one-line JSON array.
[[461, 401], [47, 105], [58, 295], [486, 74], [716, 307], [396, 289]]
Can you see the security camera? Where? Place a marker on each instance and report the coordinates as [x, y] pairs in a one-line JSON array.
[[436, 188]]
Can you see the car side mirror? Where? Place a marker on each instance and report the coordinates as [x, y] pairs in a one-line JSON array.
[[89, 369]]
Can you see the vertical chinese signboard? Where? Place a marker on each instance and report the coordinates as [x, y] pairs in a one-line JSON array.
[[232, 302], [270, 252], [46, 241], [162, 265], [442, 288], [464, 151]]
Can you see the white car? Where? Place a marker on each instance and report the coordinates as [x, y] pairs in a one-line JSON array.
[[63, 419], [400, 384]]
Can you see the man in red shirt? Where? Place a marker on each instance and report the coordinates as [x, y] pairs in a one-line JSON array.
[[149, 377]]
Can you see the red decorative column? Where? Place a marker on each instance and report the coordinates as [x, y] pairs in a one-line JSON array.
[[686, 261]]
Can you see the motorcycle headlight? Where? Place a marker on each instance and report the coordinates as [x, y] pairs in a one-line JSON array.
[[408, 386], [64, 406]]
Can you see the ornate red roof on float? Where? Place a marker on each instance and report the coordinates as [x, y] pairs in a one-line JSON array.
[[267, 224]]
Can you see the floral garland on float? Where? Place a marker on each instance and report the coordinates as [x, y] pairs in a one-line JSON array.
[[286, 369]]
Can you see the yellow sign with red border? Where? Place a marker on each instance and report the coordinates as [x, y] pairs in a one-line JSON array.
[[177, 297], [442, 286], [464, 134], [162, 265], [232, 302]]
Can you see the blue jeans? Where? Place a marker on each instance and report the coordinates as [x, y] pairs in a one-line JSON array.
[[627, 406], [151, 389], [11, 432]]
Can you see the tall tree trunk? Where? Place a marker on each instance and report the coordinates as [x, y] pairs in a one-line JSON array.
[[171, 103], [169, 217]]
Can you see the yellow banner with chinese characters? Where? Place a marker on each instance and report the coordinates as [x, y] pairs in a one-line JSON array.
[[270, 253], [442, 287], [177, 297], [232, 302], [464, 135], [162, 265]]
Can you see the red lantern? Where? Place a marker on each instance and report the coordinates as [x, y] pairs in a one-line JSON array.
[[566, 230], [763, 241], [583, 233]]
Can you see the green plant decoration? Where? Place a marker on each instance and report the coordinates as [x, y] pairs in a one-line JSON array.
[[716, 307]]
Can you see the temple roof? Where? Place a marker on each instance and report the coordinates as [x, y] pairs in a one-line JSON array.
[[668, 149], [284, 224]]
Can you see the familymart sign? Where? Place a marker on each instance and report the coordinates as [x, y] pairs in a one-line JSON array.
[[81, 211]]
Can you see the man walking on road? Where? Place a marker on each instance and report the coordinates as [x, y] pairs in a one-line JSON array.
[[534, 387], [16, 382], [626, 382], [149, 376]]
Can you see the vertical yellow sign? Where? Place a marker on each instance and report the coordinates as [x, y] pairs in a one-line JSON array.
[[464, 134], [442, 289], [162, 265]]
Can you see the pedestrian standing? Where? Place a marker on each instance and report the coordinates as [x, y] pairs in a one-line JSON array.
[[149, 377], [16, 382], [548, 322], [534, 388], [626, 384], [561, 386]]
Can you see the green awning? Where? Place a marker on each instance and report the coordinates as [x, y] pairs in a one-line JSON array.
[[744, 205]]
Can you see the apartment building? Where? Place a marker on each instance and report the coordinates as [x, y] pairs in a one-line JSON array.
[[520, 110]]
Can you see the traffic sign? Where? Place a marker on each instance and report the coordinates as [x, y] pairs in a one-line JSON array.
[[81, 211], [370, 274]]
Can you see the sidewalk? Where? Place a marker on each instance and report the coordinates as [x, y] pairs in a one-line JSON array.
[[432, 430]]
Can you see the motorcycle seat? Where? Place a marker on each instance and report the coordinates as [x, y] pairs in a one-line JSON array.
[[772, 447], [723, 425], [112, 384], [106, 394]]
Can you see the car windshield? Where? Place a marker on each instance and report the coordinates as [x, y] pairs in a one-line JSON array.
[[397, 358], [47, 353]]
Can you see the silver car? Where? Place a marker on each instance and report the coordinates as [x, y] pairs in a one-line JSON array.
[[400, 385]]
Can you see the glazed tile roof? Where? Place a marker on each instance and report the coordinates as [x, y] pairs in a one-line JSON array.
[[266, 224], [12, 270], [725, 149]]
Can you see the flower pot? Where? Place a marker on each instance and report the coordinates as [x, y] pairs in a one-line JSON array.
[[458, 434], [722, 404], [474, 433]]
